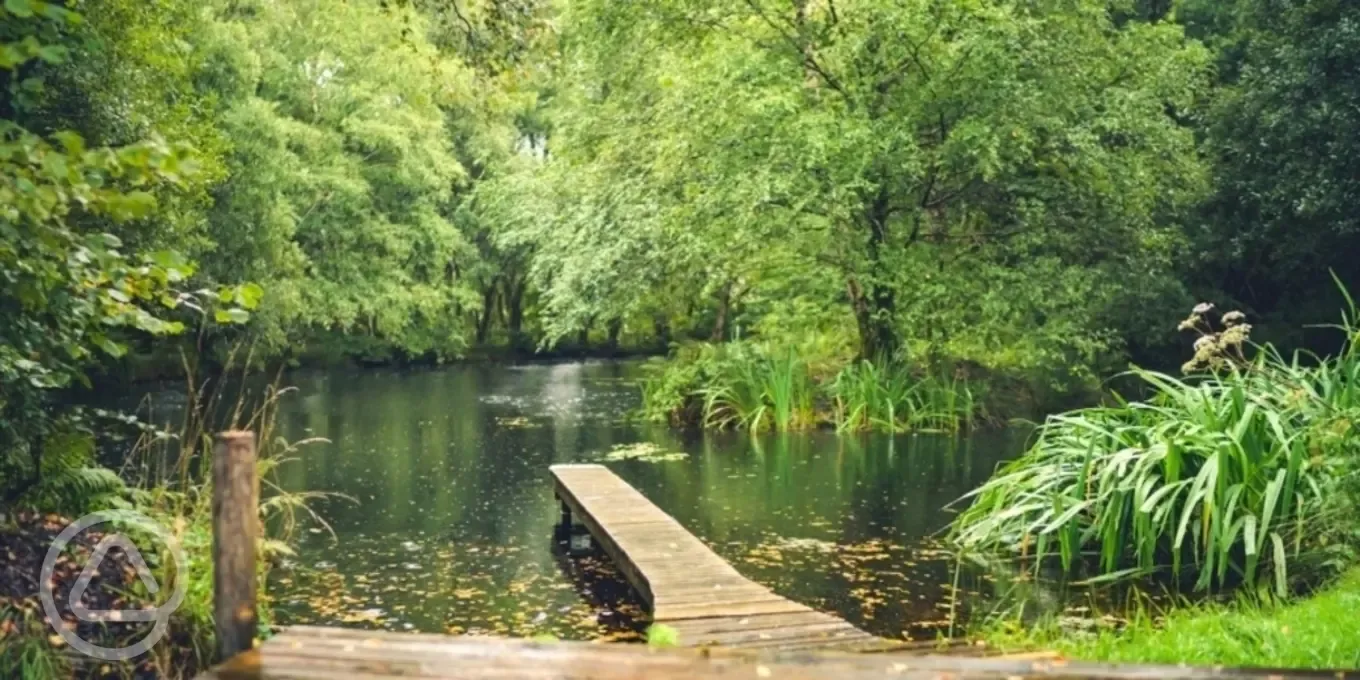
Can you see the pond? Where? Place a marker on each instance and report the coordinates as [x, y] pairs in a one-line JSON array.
[[448, 515]]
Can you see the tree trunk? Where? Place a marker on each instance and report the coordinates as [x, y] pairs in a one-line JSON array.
[[724, 305], [488, 306], [615, 327], [661, 326], [583, 336], [514, 302], [876, 306]]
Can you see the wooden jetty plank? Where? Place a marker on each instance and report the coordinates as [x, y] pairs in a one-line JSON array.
[[310, 653], [687, 585]]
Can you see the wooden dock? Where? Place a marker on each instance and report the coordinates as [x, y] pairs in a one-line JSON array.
[[313, 653], [687, 586]]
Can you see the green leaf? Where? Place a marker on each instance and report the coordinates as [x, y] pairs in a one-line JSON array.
[[20, 8], [231, 316], [661, 636], [71, 141], [167, 259], [53, 54], [111, 348], [249, 295], [132, 205], [1281, 566]]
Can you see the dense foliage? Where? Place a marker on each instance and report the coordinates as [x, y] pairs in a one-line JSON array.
[[1215, 479], [918, 158], [1282, 139], [68, 289], [1016, 188], [866, 214]]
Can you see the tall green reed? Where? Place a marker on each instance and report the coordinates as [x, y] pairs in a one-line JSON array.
[[753, 390], [1225, 478], [170, 471], [869, 395]]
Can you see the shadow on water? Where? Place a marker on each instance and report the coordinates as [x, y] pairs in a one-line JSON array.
[[599, 584], [452, 528]]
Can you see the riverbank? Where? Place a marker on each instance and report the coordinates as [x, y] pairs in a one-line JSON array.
[[136, 368], [1320, 631], [29, 648]]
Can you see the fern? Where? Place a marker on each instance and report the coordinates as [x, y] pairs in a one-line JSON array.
[[75, 490]]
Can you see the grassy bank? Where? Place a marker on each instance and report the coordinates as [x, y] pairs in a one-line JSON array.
[[1317, 632], [1240, 479]]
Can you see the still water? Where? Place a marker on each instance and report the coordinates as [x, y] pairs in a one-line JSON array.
[[448, 521]]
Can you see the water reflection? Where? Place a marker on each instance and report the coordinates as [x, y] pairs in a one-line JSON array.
[[452, 525], [452, 528]]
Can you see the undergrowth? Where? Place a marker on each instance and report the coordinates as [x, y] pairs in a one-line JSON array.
[[167, 477]]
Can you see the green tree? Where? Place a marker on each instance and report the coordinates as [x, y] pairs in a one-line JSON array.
[[921, 154], [508, 44], [68, 292], [1285, 142], [342, 173]]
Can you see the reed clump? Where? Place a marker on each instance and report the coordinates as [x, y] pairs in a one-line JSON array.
[[1240, 474], [890, 396], [749, 386]]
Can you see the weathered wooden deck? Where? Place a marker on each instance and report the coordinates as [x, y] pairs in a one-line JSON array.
[[306, 653], [688, 586]]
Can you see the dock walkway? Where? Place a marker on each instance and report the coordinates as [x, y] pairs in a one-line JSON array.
[[687, 586]]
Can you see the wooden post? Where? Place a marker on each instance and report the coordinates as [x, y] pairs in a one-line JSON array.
[[236, 521]]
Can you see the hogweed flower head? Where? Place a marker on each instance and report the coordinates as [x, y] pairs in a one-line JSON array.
[[1216, 350]]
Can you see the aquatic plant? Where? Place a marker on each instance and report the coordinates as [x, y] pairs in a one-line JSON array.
[[670, 385], [646, 452], [755, 390], [741, 385], [1225, 476], [889, 396]]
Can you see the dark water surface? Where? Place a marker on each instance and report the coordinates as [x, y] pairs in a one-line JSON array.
[[451, 524]]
